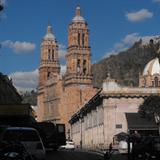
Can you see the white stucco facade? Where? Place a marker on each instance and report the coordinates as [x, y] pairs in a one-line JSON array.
[[101, 118]]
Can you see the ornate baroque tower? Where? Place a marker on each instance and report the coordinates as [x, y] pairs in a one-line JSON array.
[[78, 55], [49, 68]]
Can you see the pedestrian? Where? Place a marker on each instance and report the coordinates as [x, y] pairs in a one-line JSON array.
[[108, 153]]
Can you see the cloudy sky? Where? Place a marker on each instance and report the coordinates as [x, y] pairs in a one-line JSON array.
[[114, 26]]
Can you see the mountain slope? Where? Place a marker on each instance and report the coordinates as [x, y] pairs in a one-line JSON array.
[[126, 66]]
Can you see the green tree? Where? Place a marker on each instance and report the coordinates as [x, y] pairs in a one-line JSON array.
[[150, 107]]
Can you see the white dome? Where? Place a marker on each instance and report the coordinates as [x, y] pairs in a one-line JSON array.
[[49, 35], [78, 17], [152, 67]]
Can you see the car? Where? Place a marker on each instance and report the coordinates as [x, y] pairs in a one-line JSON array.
[[69, 145], [123, 147], [28, 137]]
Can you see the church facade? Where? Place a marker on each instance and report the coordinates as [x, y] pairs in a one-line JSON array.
[[59, 97]]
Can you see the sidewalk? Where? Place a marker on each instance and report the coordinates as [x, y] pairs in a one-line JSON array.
[[115, 156]]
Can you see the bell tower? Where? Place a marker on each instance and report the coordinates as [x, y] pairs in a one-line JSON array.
[[49, 71], [78, 53], [49, 63]]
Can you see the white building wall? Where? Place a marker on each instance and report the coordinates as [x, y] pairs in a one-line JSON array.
[[114, 115], [98, 128]]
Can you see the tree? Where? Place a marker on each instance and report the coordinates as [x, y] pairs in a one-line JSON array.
[[150, 107]]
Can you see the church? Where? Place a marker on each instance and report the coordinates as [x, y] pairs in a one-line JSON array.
[[59, 97], [113, 111]]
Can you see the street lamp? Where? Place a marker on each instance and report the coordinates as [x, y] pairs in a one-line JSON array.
[[157, 119]]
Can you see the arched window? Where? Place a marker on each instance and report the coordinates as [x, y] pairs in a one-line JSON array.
[[84, 67], [156, 81], [52, 54], [78, 65], [79, 38], [48, 75], [83, 36], [49, 54], [84, 70]]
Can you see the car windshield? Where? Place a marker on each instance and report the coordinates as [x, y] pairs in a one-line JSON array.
[[70, 143], [21, 135]]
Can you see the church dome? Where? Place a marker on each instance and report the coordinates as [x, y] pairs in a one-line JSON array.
[[152, 67], [78, 17], [49, 35]]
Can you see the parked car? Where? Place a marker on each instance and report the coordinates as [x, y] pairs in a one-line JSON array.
[[28, 137], [123, 147], [69, 146]]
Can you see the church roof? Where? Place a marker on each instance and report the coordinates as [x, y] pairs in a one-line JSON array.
[[152, 67], [78, 17], [49, 35]]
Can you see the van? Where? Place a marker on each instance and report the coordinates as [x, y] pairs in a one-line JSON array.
[[28, 137]]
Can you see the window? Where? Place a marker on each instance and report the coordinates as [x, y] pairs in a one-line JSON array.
[[22, 135], [48, 74], [152, 83], [84, 67], [118, 126], [78, 38], [78, 65], [83, 36], [84, 70], [156, 81], [52, 54], [49, 56]]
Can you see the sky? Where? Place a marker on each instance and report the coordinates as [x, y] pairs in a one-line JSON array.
[[114, 26]]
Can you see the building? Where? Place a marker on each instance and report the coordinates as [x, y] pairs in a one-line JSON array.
[[113, 111], [151, 74], [59, 96], [8, 93]]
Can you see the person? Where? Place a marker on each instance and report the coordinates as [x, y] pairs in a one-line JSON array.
[[136, 138], [108, 153]]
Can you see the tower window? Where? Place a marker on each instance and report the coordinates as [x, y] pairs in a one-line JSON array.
[[78, 38], [49, 56], [156, 81], [84, 67], [53, 54], [48, 75], [84, 70], [152, 83], [83, 36], [78, 65]]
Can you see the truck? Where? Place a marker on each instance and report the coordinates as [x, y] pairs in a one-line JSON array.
[[22, 115]]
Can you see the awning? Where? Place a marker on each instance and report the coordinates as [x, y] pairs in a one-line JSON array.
[[136, 122]]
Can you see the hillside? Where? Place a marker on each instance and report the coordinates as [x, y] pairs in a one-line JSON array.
[[126, 66], [30, 97]]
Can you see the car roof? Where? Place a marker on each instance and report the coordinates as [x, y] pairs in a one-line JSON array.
[[20, 128]]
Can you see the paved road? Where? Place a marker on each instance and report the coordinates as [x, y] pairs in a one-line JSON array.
[[73, 155]]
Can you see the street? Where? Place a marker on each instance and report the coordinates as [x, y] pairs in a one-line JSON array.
[[73, 155]]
